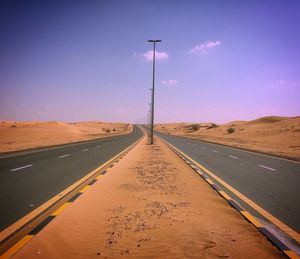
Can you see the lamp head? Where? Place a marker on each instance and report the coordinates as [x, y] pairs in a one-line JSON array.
[[154, 40]]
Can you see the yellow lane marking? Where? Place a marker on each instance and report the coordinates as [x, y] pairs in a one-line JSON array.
[[17, 246], [291, 254], [209, 181], [292, 233], [61, 208], [85, 188], [225, 195], [251, 219], [21, 222], [98, 177]]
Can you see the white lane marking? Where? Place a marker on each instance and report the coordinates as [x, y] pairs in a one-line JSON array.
[[252, 152], [62, 156], [269, 168], [83, 150], [195, 144], [215, 151], [98, 146], [19, 168], [234, 157], [203, 147], [112, 142]]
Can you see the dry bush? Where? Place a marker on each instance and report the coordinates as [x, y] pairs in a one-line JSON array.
[[230, 130]]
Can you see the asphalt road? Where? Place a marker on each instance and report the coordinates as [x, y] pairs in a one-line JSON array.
[[28, 179], [272, 183]]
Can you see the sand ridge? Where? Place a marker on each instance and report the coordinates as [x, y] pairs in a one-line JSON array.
[[150, 205], [273, 135], [17, 135]]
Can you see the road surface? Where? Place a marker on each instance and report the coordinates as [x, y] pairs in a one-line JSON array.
[[28, 179], [272, 183]]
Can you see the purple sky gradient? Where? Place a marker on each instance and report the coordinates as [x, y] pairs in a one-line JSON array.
[[87, 60]]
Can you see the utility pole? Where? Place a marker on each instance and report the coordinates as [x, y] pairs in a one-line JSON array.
[[153, 83]]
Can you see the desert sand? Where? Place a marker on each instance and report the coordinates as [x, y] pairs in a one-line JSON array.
[[16, 135], [279, 136], [149, 205]]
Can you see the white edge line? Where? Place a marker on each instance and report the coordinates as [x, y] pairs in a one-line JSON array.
[[247, 151], [19, 168], [269, 168], [85, 149], [239, 149], [234, 157], [62, 156]]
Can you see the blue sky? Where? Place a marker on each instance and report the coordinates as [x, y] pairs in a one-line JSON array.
[[87, 60]]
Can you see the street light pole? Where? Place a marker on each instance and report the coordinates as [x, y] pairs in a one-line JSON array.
[[153, 83]]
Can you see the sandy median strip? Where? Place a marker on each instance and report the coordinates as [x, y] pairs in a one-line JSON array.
[[151, 205]]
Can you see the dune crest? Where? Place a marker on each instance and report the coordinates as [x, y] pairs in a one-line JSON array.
[[19, 135], [274, 135]]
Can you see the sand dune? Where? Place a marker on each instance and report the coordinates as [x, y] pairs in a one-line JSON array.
[[19, 135], [274, 135]]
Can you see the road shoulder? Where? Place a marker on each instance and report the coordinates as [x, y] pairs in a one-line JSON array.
[[151, 204]]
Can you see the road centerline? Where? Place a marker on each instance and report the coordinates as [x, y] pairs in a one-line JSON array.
[[234, 157], [20, 168], [266, 167], [62, 156], [83, 150]]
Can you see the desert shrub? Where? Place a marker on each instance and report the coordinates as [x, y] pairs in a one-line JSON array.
[[195, 127], [107, 130], [230, 130], [212, 126], [114, 129], [13, 126]]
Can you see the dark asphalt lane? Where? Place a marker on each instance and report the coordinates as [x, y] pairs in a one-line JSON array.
[[272, 183], [27, 180]]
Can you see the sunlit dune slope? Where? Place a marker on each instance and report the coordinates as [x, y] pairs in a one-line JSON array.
[[275, 135], [16, 135]]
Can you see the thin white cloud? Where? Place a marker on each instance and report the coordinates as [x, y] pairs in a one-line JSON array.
[[171, 82], [279, 84], [285, 84], [282, 82], [204, 47], [148, 55]]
